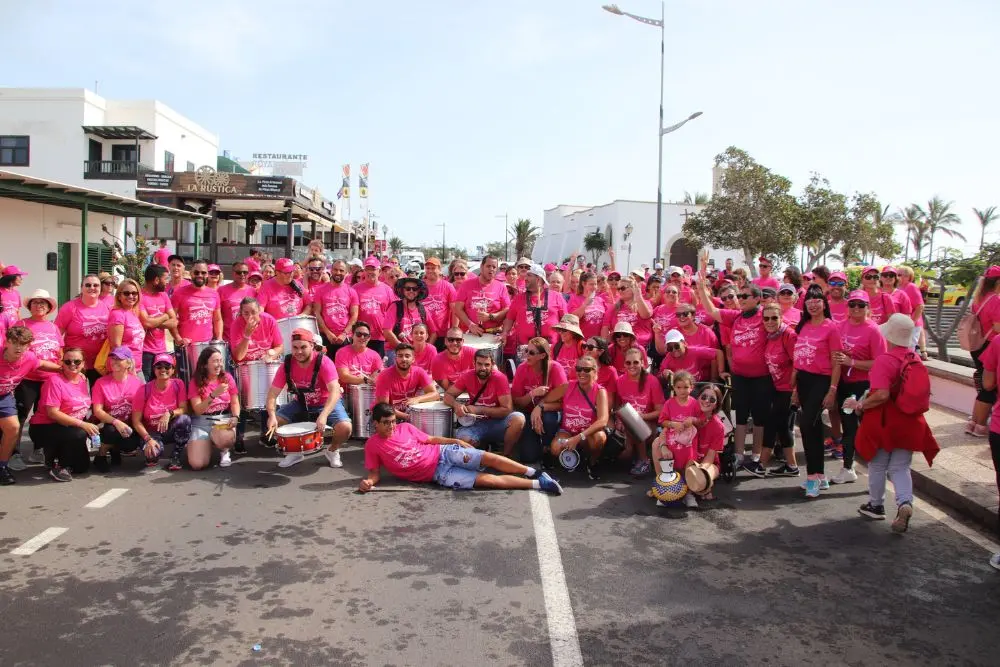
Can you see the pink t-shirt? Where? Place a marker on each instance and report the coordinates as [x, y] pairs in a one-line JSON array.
[[792, 316], [862, 342], [406, 454], [916, 299], [566, 357], [11, 374], [882, 306], [336, 302], [425, 357], [411, 317], [666, 317], [674, 411], [814, 346], [438, 302], [71, 398], [220, 403], [527, 378], [593, 317], [230, 297], [372, 303], [155, 305], [445, 368], [747, 342], [711, 437], [607, 377], [496, 386], [159, 402], [643, 400], [83, 327], [161, 256], [10, 301], [133, 333], [280, 301], [171, 288], [108, 299], [302, 376], [491, 298], [702, 337], [988, 313], [264, 337], [696, 360], [395, 389], [770, 281], [524, 319], [991, 362], [47, 345], [901, 302], [195, 308], [838, 311], [366, 362], [577, 414], [641, 326], [116, 397], [779, 350], [618, 357]]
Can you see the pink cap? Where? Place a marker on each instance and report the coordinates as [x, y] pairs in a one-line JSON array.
[[12, 270], [284, 265], [164, 358], [564, 267], [838, 275], [859, 295], [550, 267], [255, 274], [993, 271], [889, 269], [869, 269], [372, 261], [214, 267], [808, 275]]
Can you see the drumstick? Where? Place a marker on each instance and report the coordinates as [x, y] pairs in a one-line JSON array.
[[271, 430], [393, 489]]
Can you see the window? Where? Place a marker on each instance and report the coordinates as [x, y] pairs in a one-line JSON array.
[[168, 161], [99, 258], [190, 166], [14, 151]]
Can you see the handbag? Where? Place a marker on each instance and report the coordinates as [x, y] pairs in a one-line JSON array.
[[101, 362], [614, 443]]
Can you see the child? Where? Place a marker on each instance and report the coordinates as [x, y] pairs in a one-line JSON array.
[[711, 432], [675, 446]]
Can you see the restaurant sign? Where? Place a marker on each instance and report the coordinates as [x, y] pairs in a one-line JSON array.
[[210, 181]]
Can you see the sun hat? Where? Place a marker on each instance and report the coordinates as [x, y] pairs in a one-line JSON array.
[[675, 269], [524, 261], [164, 358], [12, 270], [539, 272], [284, 265], [898, 330], [673, 336], [570, 323], [623, 328], [42, 295], [372, 261], [859, 295], [402, 282], [121, 352]]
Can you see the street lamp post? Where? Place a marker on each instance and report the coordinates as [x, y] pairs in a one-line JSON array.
[[506, 239], [443, 226], [659, 23], [628, 233]]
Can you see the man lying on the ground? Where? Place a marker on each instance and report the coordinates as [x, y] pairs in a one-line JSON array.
[[412, 455]]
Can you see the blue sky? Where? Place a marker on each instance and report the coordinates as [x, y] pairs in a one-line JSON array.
[[469, 109]]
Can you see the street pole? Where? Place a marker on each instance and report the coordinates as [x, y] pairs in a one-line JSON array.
[[506, 239], [659, 137], [444, 245]]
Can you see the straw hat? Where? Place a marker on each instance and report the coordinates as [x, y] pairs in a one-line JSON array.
[[44, 296], [623, 328], [898, 330], [570, 323]]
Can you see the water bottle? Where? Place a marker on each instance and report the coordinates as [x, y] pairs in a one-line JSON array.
[[849, 404], [95, 442]]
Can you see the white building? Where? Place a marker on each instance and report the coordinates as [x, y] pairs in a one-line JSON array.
[[564, 228]]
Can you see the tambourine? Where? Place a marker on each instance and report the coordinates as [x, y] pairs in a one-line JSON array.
[[569, 459], [668, 487]]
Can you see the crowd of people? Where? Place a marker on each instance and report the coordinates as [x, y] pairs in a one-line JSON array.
[[107, 375]]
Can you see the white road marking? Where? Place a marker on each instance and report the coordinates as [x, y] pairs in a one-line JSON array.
[[38, 541], [105, 499], [558, 608]]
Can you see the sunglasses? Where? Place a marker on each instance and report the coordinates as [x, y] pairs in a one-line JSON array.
[[92, 285], [362, 334], [708, 398], [410, 288], [633, 363], [764, 266], [837, 283], [729, 297], [240, 273], [110, 283], [459, 274], [534, 353], [669, 291], [672, 347], [686, 313], [771, 318], [316, 269], [869, 276], [786, 293], [619, 336], [213, 272], [613, 280], [585, 369], [72, 362], [162, 367], [744, 297], [128, 294], [857, 304], [589, 346], [888, 275], [453, 340]]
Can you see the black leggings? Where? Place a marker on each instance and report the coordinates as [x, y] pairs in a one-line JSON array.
[[66, 445], [778, 429], [111, 436], [26, 395], [849, 422], [982, 395], [812, 390], [995, 451]]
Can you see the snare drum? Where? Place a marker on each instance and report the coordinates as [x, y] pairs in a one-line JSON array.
[[255, 379], [286, 325], [487, 342], [434, 418], [360, 397], [299, 437]]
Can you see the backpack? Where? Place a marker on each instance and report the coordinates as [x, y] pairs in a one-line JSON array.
[[912, 394], [970, 331], [398, 326]]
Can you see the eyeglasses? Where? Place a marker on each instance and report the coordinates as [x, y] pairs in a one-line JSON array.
[[837, 283], [129, 294], [410, 288], [686, 313], [708, 398], [771, 318], [240, 273], [729, 297], [744, 297], [633, 363], [199, 273], [589, 346], [72, 362], [857, 304], [585, 369], [452, 339], [673, 347], [162, 367], [533, 352], [459, 274], [362, 334]]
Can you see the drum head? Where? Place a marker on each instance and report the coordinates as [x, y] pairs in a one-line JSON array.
[[433, 405], [298, 428], [467, 420], [697, 478], [569, 459]]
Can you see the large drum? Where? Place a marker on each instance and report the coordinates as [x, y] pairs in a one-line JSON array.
[[635, 424], [487, 342], [287, 325], [433, 418], [360, 398], [300, 437], [255, 379], [194, 351]]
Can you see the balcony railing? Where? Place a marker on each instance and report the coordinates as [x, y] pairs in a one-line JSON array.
[[115, 170]]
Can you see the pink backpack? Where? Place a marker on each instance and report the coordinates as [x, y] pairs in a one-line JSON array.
[[913, 391], [970, 331]]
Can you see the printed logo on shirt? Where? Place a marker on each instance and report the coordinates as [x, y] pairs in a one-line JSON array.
[[805, 352]]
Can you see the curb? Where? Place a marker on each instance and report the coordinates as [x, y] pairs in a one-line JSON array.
[[945, 487]]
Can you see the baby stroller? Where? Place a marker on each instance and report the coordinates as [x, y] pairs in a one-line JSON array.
[[727, 460]]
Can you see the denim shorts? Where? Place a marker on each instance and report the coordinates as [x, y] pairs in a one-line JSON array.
[[8, 406], [485, 430], [458, 466], [201, 427], [292, 413]]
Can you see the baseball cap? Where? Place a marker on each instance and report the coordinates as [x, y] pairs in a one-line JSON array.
[[432, 260], [12, 270], [214, 267], [787, 288], [372, 261], [121, 352], [354, 262], [306, 335], [538, 271], [164, 358], [838, 275], [674, 336], [859, 295], [768, 291], [284, 265], [658, 265], [675, 269], [889, 269]]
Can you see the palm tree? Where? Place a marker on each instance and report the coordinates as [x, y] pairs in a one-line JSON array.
[[985, 217], [395, 244], [940, 219], [596, 243], [698, 199], [917, 229], [524, 235]]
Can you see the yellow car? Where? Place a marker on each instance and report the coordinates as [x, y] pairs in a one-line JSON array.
[[954, 295]]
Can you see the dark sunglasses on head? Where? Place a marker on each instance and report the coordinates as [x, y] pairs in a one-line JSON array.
[[585, 369], [837, 283], [708, 398], [72, 362], [771, 318], [857, 304], [453, 339]]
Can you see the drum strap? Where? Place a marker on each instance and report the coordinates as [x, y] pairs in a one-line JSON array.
[[536, 311], [481, 390], [301, 393]]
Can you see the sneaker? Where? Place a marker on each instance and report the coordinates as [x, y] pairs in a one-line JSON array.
[[291, 459], [784, 470], [902, 520], [101, 464], [6, 476], [60, 474], [37, 456], [970, 427], [593, 472], [549, 485], [175, 463], [690, 501], [876, 512], [812, 488], [240, 447], [845, 476], [16, 463], [755, 468], [334, 458], [980, 431], [660, 503], [828, 447], [639, 469], [995, 561], [824, 483], [838, 451], [226, 460]]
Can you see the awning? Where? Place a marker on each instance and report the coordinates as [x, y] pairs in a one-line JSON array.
[[27, 188], [119, 132]]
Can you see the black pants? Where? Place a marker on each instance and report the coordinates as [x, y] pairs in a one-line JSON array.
[[26, 395], [439, 343], [378, 346], [849, 422], [66, 445], [531, 444], [995, 451], [812, 390], [92, 377], [982, 395], [778, 429], [147, 365], [110, 436], [331, 348], [752, 398]]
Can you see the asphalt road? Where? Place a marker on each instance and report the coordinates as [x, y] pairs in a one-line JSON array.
[[198, 568]]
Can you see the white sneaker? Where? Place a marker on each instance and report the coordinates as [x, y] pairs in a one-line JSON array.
[[16, 463], [227, 460], [690, 501], [845, 476], [37, 456], [995, 561], [334, 458], [291, 459]]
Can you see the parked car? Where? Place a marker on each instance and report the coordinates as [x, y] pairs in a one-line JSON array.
[[954, 295]]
